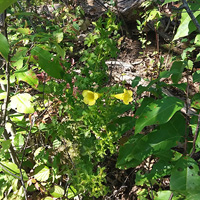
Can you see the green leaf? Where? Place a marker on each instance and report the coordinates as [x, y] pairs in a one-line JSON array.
[[176, 70], [27, 76], [71, 192], [5, 145], [19, 140], [135, 81], [187, 26], [11, 167], [41, 173], [56, 191], [58, 36], [48, 63], [5, 4], [169, 1], [3, 95], [25, 31], [3, 79], [60, 51], [4, 47], [48, 198], [196, 101], [163, 195], [197, 40], [157, 142], [23, 103], [185, 176], [158, 112], [196, 76]]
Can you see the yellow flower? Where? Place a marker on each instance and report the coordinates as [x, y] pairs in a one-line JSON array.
[[126, 97], [90, 97]]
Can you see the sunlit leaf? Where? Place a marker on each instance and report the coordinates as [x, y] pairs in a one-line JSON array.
[[23, 103], [5, 145], [3, 95], [41, 173], [187, 26], [56, 191], [27, 76], [11, 167], [4, 47], [25, 31], [19, 140], [58, 36], [158, 112]]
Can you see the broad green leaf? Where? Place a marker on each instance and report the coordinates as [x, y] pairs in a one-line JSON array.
[[163, 195], [135, 81], [1, 130], [4, 47], [25, 31], [158, 112], [169, 1], [197, 40], [18, 58], [60, 51], [3, 185], [176, 71], [187, 26], [48, 198], [27, 76], [11, 167], [71, 192], [194, 196], [41, 173], [185, 177], [5, 4], [198, 57], [196, 101], [48, 63], [196, 76], [58, 36], [3, 95], [56, 191], [157, 142], [23, 103], [121, 125], [5, 145], [3, 79], [19, 140]]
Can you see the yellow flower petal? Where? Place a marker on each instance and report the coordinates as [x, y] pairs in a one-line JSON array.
[[90, 97], [126, 97]]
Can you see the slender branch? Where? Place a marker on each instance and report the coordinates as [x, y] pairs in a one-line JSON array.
[[6, 136], [190, 13], [195, 136], [187, 115], [171, 196], [4, 168]]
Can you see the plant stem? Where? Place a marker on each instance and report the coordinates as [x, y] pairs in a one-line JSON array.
[[195, 135]]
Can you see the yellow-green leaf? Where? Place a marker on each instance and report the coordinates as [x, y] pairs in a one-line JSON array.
[[23, 103]]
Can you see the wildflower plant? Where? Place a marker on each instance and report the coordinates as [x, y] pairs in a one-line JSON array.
[[126, 97], [90, 97]]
